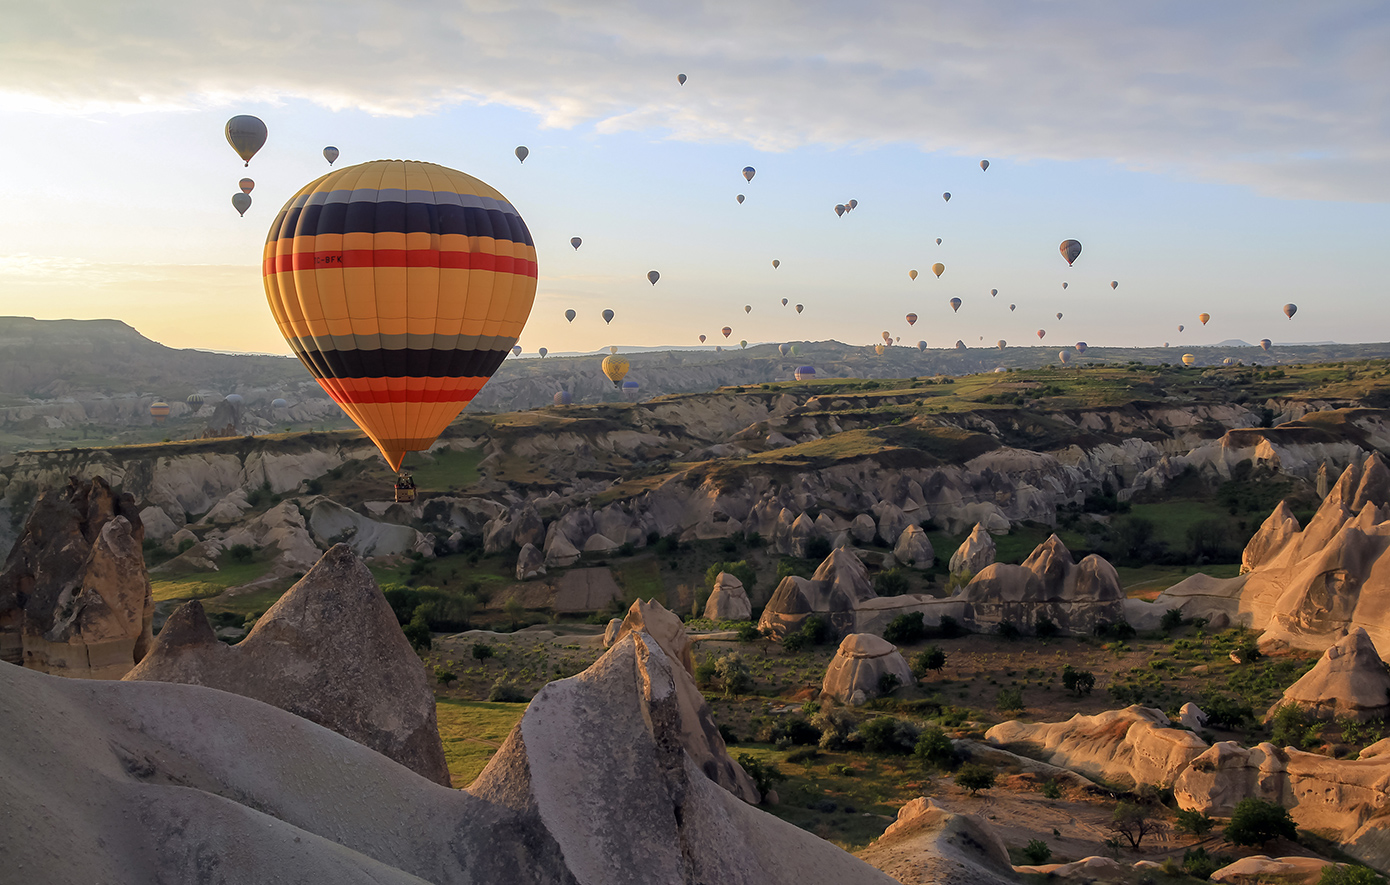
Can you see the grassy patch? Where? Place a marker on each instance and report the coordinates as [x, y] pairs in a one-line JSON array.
[[472, 731], [640, 579], [1148, 581], [247, 604], [445, 470], [207, 584]]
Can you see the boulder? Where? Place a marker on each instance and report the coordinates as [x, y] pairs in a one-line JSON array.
[[1349, 679], [330, 650], [929, 845], [559, 552], [527, 528], [1259, 869], [74, 594], [158, 525], [176, 540], [332, 523], [914, 548], [976, 552], [891, 521], [1089, 869], [862, 528], [1135, 745], [860, 662], [663, 626], [612, 631], [600, 544], [728, 601], [497, 534], [1280, 526], [1192, 717], [530, 563], [1074, 596], [800, 535], [838, 586], [228, 510]]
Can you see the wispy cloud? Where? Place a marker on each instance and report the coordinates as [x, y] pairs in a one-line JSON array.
[[1290, 99]]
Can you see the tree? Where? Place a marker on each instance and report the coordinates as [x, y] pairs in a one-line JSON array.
[[1172, 620], [1009, 700], [445, 677], [1045, 628], [891, 582], [733, 674], [905, 629], [1293, 727], [1198, 823], [418, 630], [1078, 682], [765, 776], [935, 748], [1134, 822], [931, 659], [482, 651], [1255, 821], [514, 610], [1037, 852], [739, 569], [887, 735], [975, 777]]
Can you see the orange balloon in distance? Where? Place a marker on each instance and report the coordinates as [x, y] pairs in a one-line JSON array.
[[401, 286]]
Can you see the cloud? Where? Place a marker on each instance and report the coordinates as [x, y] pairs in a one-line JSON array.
[[1289, 99]]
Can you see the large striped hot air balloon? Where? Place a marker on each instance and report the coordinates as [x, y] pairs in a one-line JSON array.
[[401, 286], [615, 367], [159, 411], [805, 373]]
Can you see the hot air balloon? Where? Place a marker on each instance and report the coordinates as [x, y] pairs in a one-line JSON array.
[[960, 345], [727, 331], [522, 153], [1180, 328], [1001, 344], [653, 276], [1070, 249], [886, 336], [946, 197], [938, 241], [615, 367], [1064, 285], [280, 404], [570, 315], [993, 292], [1188, 359], [1290, 310], [576, 242], [879, 349], [1042, 333], [784, 349], [898, 339], [938, 269], [1012, 307], [680, 78], [912, 319], [563, 398], [747, 308], [718, 349], [743, 344], [630, 385], [159, 411], [477, 271], [922, 346], [516, 350], [542, 351], [1064, 356], [800, 308], [740, 199], [246, 185], [233, 398], [749, 172], [984, 165], [912, 275], [1228, 361], [1059, 314], [330, 154], [804, 373], [1081, 347], [613, 349], [246, 134], [851, 205], [1204, 317], [1266, 344], [1114, 284], [955, 305], [840, 209], [784, 302], [776, 264], [195, 400], [608, 316], [241, 202]]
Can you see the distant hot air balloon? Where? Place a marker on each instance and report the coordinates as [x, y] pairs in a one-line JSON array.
[[1290, 310], [1042, 333], [246, 134], [1266, 344], [401, 395], [1081, 347], [608, 316], [159, 411], [938, 241], [1114, 284], [739, 198], [563, 398], [946, 197], [776, 264], [840, 209], [576, 242], [1204, 317], [804, 373], [680, 78], [1012, 307], [522, 153], [615, 367], [749, 172], [570, 315], [516, 350], [993, 292], [922, 346], [912, 275], [246, 185], [1059, 314], [718, 349], [912, 319], [1001, 344], [653, 276], [1188, 359], [784, 349], [955, 305], [851, 205], [330, 154], [1070, 250], [938, 269], [800, 308], [280, 404], [613, 349], [960, 345], [630, 385], [702, 339], [542, 351], [233, 398], [984, 165], [887, 337], [1064, 356], [743, 343], [1228, 361], [726, 331], [784, 302], [1180, 328], [747, 308], [241, 202], [195, 400], [879, 349]]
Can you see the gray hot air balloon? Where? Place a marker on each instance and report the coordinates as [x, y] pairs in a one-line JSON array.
[[938, 241], [749, 172], [1266, 344], [1012, 307], [784, 349], [516, 350], [608, 316], [922, 346], [1059, 314], [960, 345], [543, 351], [747, 308], [1064, 285], [1114, 284], [993, 292], [233, 398], [330, 154], [241, 202], [784, 302], [1081, 347], [1070, 249], [522, 153], [1290, 310], [984, 165], [279, 404], [576, 242], [563, 398], [800, 308], [739, 198], [1064, 356], [946, 197], [680, 78], [1001, 344], [246, 134], [570, 314], [776, 264], [852, 205], [653, 276], [955, 304], [1180, 328], [840, 209]]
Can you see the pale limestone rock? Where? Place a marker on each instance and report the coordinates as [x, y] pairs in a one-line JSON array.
[[228, 510], [1089, 869], [914, 548], [1274, 533], [839, 585], [891, 521], [530, 563], [600, 544], [177, 538], [1192, 717], [860, 662], [612, 631], [1259, 868], [158, 525], [862, 528], [1349, 679], [332, 523], [930, 845], [1075, 596], [667, 629], [559, 552], [976, 552], [728, 601], [497, 535], [800, 536], [527, 528]]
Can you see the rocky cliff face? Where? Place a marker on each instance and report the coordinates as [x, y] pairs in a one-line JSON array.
[[74, 596]]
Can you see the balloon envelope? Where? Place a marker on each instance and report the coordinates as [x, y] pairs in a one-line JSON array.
[[938, 241], [776, 264], [159, 411], [563, 398], [747, 308], [955, 304], [570, 315], [739, 198], [516, 350], [1114, 284], [1064, 356], [241, 202], [922, 345], [1059, 314], [233, 398], [852, 204], [1204, 317], [1041, 333], [800, 307], [804, 373], [522, 153], [576, 242], [993, 291], [542, 351], [246, 185], [938, 269], [608, 316], [912, 319], [615, 367], [246, 134], [1064, 285], [1290, 310], [336, 250], [1002, 344], [1188, 359], [749, 172], [960, 345], [784, 302], [946, 197], [727, 331], [1012, 307], [1081, 347], [330, 154], [702, 339], [912, 275], [194, 399], [743, 343], [680, 78], [840, 209], [653, 276], [629, 385], [1070, 250], [879, 349], [784, 349], [1266, 344], [984, 165], [1180, 328]]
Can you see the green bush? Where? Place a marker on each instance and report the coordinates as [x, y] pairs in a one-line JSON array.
[[891, 582], [974, 777], [417, 631], [931, 659], [733, 674], [1051, 789], [1225, 712], [749, 633], [1135, 821], [935, 748], [241, 553], [1198, 864], [1255, 821], [1198, 823], [949, 628], [1292, 727], [1009, 700], [1171, 620], [740, 569], [1045, 628], [503, 690], [445, 677], [815, 630], [705, 671], [905, 629], [1036, 852], [765, 777], [1008, 630], [888, 683], [836, 725], [888, 736], [1350, 875], [482, 651], [1078, 682]]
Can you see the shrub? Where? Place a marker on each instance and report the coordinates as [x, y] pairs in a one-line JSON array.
[[836, 724], [817, 549], [815, 630], [1051, 789], [1225, 712], [1198, 864], [1008, 630], [505, 691], [931, 659], [482, 651], [740, 569], [905, 629], [1171, 620], [733, 674], [935, 748], [1118, 631], [445, 677], [1256, 821], [515, 610], [241, 553], [888, 736], [1292, 727], [765, 777], [1009, 699], [1198, 823], [974, 777], [1350, 875], [888, 683], [949, 628], [749, 633], [1036, 852], [705, 671], [417, 631], [1078, 682], [891, 582], [1045, 628]]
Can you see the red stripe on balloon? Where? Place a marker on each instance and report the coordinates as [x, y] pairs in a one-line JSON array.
[[450, 259]]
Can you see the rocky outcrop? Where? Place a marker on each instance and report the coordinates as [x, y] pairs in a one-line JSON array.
[[974, 553], [833, 592], [1191, 717], [728, 601], [930, 845], [1274, 533], [856, 673], [330, 650], [1349, 679], [914, 548], [332, 523], [1136, 745], [74, 595], [1260, 868], [529, 563], [1075, 596]]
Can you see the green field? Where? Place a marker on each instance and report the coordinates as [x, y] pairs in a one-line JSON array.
[[208, 584], [445, 470], [472, 731]]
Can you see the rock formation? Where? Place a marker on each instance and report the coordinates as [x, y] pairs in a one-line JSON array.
[[914, 548], [728, 601], [1075, 596], [330, 650], [1136, 745], [1349, 679], [529, 563], [929, 845], [861, 661], [833, 592], [974, 553], [1191, 717], [74, 595], [1260, 868], [1274, 533]]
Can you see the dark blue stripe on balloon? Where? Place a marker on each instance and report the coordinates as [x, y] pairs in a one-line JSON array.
[[397, 217]]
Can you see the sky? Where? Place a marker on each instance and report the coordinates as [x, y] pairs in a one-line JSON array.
[[1221, 158]]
